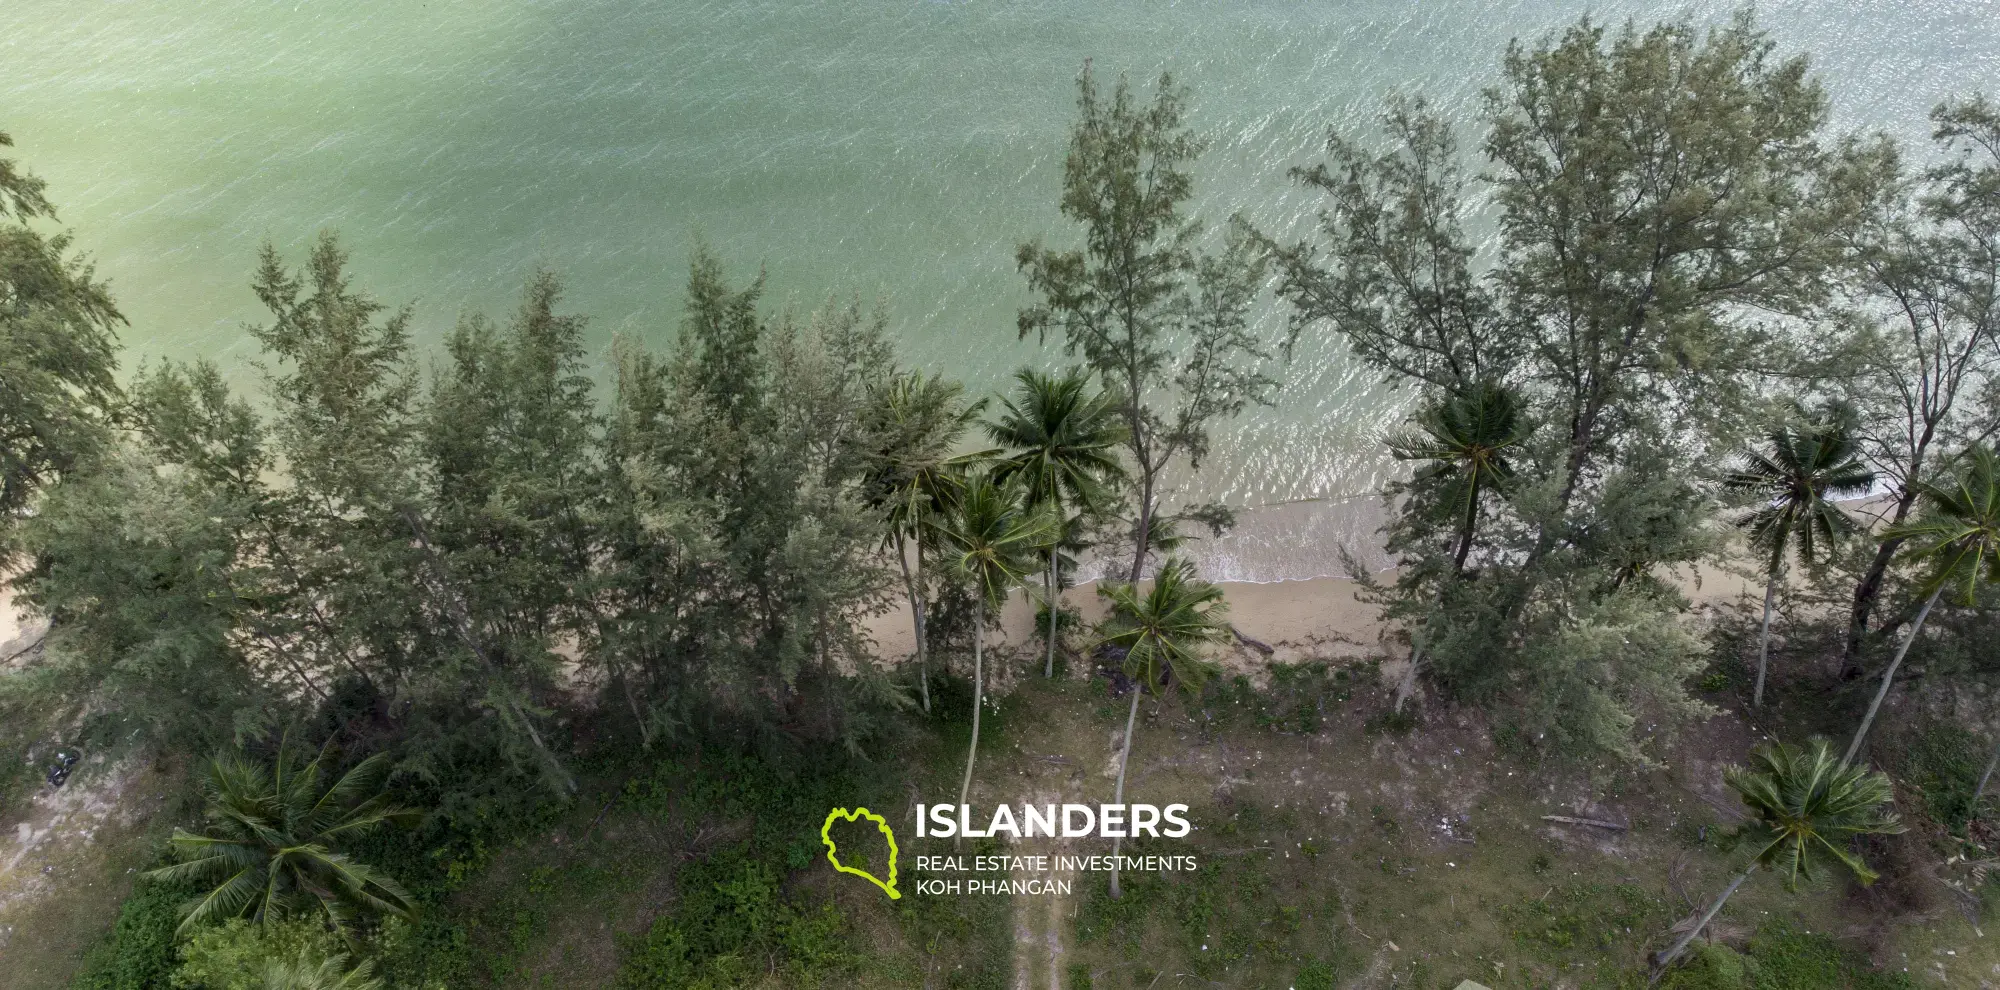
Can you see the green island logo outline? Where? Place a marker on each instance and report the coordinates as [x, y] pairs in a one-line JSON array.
[[832, 854]]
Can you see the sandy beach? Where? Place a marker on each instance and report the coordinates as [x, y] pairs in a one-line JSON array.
[[1320, 617]]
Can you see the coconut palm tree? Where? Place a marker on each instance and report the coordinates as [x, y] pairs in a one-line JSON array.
[[1059, 443], [915, 475], [1165, 633], [993, 539], [1795, 478], [1805, 807], [270, 848], [1958, 540], [1467, 439]]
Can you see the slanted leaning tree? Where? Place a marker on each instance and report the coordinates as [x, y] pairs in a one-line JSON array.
[[1059, 443], [1929, 278], [993, 539], [1805, 807], [1165, 327], [1958, 540], [1803, 466], [1166, 632]]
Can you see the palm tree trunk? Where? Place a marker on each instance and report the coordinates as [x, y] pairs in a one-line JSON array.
[[1049, 665], [1980, 791], [1407, 686], [1665, 959], [1889, 676], [978, 702], [1764, 639], [1118, 796], [1471, 523], [912, 584]]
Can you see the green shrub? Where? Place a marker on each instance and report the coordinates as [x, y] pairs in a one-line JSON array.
[[1943, 762], [234, 954], [1783, 956], [1315, 975], [1711, 967], [138, 953]]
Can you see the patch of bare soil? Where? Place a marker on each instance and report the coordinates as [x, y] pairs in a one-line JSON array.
[[68, 856]]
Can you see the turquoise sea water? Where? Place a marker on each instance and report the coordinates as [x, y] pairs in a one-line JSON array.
[[879, 147]]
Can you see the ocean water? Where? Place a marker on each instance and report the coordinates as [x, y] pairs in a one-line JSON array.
[[887, 148]]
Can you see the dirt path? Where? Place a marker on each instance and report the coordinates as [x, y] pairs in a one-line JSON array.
[[67, 859]]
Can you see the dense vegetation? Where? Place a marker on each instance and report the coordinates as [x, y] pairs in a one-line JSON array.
[[490, 594]]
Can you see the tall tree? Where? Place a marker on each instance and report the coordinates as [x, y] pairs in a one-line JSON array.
[[992, 538], [1669, 206], [1929, 281], [505, 465], [1390, 268], [1957, 539], [1165, 632], [58, 349], [738, 549], [1165, 327], [915, 478], [1804, 466], [1059, 444], [1653, 187], [216, 446], [143, 581], [1806, 808], [348, 425]]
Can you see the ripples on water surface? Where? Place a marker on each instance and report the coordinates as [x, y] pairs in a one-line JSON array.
[[859, 146]]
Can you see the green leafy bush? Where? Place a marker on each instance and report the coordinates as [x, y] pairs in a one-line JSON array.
[[235, 954], [1943, 762], [138, 953]]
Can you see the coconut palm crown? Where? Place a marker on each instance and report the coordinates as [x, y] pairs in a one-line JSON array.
[[1165, 633], [1060, 446], [1060, 442], [915, 478], [1806, 804], [992, 539], [1167, 630], [1796, 476], [270, 848], [1469, 440], [1958, 540], [1958, 536]]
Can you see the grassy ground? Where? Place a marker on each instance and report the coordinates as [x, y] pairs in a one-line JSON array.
[[1335, 849]]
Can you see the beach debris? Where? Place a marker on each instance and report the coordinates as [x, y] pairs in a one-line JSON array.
[[59, 770], [1592, 822], [1255, 644]]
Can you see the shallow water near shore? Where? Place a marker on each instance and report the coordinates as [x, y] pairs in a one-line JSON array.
[[873, 147]]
